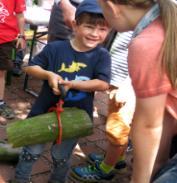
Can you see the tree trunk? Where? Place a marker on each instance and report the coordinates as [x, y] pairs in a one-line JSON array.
[[9, 154], [44, 128]]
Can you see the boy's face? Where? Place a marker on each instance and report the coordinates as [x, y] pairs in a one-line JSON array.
[[88, 36]]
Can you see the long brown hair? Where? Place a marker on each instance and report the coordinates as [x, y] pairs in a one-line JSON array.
[[168, 13]]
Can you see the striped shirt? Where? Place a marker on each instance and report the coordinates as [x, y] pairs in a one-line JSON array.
[[119, 54]]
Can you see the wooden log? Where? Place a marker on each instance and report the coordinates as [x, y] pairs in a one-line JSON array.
[[9, 154], [44, 128]]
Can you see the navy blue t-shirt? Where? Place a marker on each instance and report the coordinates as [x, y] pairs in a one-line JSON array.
[[61, 58]]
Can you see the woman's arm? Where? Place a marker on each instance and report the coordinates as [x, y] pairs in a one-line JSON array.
[[147, 129]]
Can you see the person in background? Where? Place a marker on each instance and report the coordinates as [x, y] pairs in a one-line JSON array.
[[152, 63], [12, 28], [20, 53], [62, 15], [121, 108], [82, 66]]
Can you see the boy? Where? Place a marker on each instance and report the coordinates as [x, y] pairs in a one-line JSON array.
[[11, 24], [83, 67]]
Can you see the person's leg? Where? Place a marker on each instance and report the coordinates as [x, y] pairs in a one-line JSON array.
[[61, 154], [112, 150], [2, 85], [27, 158], [117, 129], [5, 110], [121, 109], [5, 64]]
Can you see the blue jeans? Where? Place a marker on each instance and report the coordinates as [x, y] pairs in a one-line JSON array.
[[60, 154], [168, 174]]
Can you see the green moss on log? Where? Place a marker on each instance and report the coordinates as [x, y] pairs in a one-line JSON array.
[[44, 128]]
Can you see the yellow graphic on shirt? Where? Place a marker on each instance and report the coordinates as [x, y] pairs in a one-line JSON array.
[[74, 67]]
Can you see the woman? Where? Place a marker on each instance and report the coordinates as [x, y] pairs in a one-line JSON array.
[[152, 66]]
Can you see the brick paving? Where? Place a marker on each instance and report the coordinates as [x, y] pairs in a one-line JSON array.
[[21, 102]]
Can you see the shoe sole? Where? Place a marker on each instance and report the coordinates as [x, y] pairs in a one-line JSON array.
[[76, 179]]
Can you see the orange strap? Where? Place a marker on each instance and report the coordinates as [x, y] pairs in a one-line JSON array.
[[58, 109]]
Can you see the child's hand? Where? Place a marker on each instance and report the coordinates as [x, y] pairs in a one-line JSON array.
[[112, 94], [53, 80], [67, 84]]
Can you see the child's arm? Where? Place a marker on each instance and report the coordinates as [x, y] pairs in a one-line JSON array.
[[40, 73], [88, 86]]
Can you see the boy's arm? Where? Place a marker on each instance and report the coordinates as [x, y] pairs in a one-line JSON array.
[[88, 86], [21, 43], [40, 73]]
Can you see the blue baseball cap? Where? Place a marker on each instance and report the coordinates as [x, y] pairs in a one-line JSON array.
[[88, 6]]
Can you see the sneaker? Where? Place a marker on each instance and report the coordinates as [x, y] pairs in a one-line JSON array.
[[91, 173], [17, 71], [93, 157], [6, 111]]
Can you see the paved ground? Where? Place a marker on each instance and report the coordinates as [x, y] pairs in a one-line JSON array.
[[21, 102]]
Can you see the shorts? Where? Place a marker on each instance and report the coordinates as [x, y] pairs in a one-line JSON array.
[[121, 110], [6, 55]]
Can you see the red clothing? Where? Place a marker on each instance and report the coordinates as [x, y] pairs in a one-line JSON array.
[[144, 62], [8, 20]]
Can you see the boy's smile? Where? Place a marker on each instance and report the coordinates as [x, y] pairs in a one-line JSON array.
[[88, 36]]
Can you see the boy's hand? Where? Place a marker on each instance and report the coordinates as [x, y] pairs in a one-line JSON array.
[[53, 80], [67, 84]]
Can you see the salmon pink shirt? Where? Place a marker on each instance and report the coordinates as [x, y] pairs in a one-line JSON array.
[[144, 63]]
